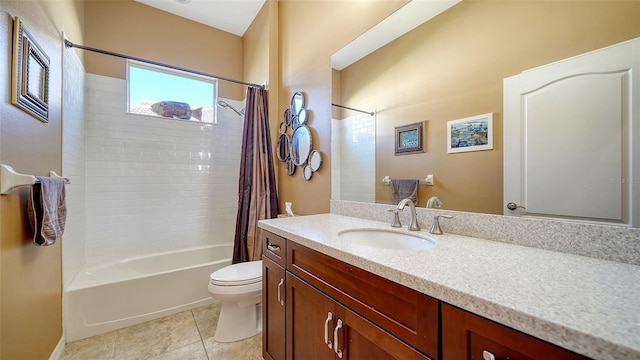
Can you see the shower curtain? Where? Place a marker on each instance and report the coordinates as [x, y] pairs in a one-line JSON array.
[[257, 195]]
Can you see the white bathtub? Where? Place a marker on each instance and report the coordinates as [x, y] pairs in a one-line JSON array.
[[127, 292]]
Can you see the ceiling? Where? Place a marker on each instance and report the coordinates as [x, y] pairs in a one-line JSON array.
[[233, 16]]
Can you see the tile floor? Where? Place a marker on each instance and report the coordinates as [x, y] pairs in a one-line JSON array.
[[183, 336]]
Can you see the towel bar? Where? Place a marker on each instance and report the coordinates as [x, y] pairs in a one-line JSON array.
[[10, 179], [426, 181]]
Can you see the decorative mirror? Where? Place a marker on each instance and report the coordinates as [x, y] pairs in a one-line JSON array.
[[287, 117], [282, 128], [30, 74], [300, 145], [297, 103], [315, 160], [284, 147], [307, 173], [290, 168], [301, 118]]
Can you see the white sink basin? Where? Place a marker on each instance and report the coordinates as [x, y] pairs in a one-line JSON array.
[[386, 239]]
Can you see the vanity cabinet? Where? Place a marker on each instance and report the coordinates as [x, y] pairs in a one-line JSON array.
[[468, 336], [273, 301], [335, 310]]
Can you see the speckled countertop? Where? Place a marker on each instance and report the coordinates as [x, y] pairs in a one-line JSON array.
[[586, 305]]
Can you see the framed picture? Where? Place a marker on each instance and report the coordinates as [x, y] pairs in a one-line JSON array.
[[30, 74], [470, 134], [410, 138]]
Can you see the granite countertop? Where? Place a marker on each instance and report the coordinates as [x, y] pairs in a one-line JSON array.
[[583, 304]]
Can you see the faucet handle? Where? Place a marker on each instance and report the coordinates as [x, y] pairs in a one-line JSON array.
[[396, 219], [435, 226]]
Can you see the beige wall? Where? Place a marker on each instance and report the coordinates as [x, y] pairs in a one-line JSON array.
[[310, 31], [453, 67], [31, 281], [135, 29]]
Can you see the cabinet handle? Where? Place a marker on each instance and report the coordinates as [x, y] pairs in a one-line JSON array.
[[335, 339], [280, 299], [274, 248], [326, 330], [487, 355]]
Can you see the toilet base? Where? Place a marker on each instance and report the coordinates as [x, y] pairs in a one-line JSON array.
[[236, 322]]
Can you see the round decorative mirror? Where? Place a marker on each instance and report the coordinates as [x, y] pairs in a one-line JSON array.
[[307, 172], [284, 146], [300, 145], [297, 103], [315, 160], [282, 128], [289, 167], [301, 118], [287, 117]]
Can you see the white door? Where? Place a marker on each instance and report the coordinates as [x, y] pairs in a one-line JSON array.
[[570, 130]]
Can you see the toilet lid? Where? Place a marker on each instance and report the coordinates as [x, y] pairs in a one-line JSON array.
[[238, 274]]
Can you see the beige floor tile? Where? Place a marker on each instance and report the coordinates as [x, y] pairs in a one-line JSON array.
[[156, 337], [248, 349], [193, 351], [207, 319], [98, 347]]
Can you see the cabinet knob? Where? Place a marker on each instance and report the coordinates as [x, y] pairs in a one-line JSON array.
[[487, 355], [326, 330]]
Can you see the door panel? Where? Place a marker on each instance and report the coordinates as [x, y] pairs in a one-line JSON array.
[[273, 311], [568, 134]]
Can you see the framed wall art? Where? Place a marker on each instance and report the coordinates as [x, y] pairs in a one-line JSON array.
[[30, 74], [470, 134], [410, 138]]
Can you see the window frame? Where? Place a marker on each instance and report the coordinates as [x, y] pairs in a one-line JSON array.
[[175, 72]]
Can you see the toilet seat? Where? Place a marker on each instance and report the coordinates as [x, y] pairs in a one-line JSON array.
[[238, 274]]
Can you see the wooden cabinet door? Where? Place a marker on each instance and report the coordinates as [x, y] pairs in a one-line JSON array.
[[468, 336], [358, 338], [310, 320], [273, 310]]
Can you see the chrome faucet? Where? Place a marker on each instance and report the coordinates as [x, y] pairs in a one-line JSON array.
[[435, 227], [434, 201], [414, 218]]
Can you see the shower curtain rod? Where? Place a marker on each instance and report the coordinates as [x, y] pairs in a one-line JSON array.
[[350, 108], [69, 44]]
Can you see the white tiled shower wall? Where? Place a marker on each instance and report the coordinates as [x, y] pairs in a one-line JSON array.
[[155, 184], [354, 139], [73, 164]]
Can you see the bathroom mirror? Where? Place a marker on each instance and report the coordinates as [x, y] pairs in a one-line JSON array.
[[283, 146], [315, 160], [307, 172], [282, 128], [287, 117], [290, 168], [448, 69], [301, 119], [297, 103], [300, 145]]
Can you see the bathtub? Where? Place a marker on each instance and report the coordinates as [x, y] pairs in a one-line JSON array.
[[127, 292]]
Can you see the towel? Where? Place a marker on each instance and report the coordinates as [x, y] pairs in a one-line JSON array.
[[404, 188], [47, 210]]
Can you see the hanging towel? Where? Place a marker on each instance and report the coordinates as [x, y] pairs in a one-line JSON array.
[[404, 188], [47, 210]]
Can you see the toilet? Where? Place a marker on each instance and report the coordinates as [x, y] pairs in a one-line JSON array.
[[239, 288]]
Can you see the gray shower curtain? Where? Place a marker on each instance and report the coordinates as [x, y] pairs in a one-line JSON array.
[[257, 194]]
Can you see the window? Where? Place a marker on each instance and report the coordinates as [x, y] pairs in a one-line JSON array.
[[168, 93]]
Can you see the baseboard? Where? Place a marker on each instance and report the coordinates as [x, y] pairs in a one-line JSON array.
[[57, 352]]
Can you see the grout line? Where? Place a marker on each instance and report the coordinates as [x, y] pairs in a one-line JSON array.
[[200, 334]]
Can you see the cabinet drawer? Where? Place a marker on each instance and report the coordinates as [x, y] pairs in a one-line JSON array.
[[275, 248], [469, 336], [405, 313]]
